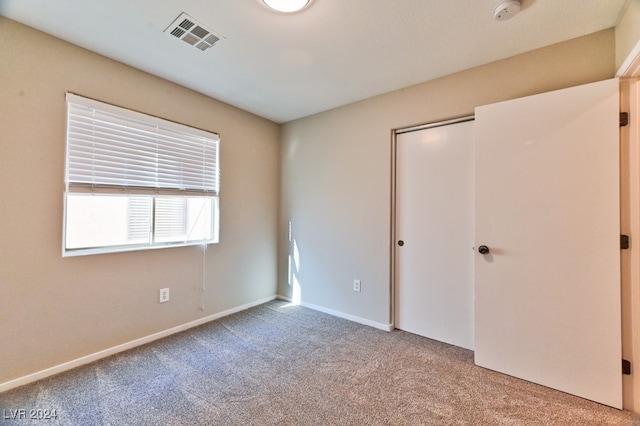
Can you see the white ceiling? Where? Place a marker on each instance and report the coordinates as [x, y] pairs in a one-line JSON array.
[[287, 66]]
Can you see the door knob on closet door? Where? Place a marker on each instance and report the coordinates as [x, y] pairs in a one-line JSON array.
[[400, 243], [483, 250]]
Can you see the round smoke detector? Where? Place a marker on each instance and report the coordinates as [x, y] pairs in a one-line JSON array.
[[506, 9]]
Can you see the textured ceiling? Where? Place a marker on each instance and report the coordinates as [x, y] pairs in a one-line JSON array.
[[286, 66]]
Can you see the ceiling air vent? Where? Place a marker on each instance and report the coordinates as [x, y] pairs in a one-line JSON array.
[[192, 32]]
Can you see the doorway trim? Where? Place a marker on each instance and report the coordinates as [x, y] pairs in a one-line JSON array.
[[393, 232]]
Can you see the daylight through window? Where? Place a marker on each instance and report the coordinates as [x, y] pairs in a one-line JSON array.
[[134, 181]]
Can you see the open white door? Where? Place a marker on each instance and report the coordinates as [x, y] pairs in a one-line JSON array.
[[547, 207]]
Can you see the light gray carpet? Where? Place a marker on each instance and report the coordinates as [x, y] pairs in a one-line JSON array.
[[288, 365]]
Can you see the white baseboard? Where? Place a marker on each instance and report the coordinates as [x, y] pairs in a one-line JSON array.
[[378, 325], [42, 374], [30, 378]]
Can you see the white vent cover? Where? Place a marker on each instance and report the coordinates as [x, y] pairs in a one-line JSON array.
[[193, 32]]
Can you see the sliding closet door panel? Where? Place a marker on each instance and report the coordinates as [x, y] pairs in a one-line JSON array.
[[434, 212]]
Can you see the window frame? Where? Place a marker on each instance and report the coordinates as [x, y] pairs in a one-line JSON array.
[[207, 190]]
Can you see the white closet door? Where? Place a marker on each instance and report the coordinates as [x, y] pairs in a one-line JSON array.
[[434, 219], [547, 206]]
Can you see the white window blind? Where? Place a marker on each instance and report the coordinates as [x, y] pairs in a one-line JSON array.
[[109, 146]]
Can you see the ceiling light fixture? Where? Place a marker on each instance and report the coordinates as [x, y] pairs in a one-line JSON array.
[[506, 9], [287, 6]]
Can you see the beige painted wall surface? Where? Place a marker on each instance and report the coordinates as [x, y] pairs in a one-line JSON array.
[[627, 31], [54, 310], [336, 169]]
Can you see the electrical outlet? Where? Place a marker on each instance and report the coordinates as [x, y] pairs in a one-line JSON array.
[[356, 285], [164, 295]]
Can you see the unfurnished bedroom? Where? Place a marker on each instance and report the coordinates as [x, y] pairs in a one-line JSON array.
[[320, 212]]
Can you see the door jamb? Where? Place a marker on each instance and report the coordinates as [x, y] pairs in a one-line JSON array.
[[629, 75]]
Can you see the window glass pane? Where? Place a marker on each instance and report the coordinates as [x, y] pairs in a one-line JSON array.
[[139, 219], [199, 223], [183, 219], [107, 220], [170, 219]]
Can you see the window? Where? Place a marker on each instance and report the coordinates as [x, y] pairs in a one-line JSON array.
[[133, 181]]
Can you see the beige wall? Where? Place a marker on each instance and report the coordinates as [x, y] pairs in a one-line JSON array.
[[627, 32], [336, 169], [54, 310]]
